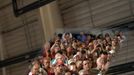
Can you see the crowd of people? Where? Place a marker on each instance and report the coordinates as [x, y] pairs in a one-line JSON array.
[[84, 54]]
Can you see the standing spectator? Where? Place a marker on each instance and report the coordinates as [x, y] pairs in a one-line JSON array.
[[82, 37], [46, 66], [68, 73], [59, 68], [79, 65], [73, 69], [87, 65], [108, 38], [66, 38], [84, 55], [69, 51], [46, 50], [36, 69], [102, 62]]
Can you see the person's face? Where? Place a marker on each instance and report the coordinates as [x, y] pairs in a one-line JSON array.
[[59, 68], [47, 46], [99, 41], [82, 33], [108, 38], [88, 37], [121, 33], [72, 67], [114, 43], [107, 47], [79, 64], [78, 43], [84, 73], [83, 45], [67, 73], [79, 54], [56, 49], [90, 46], [103, 56], [87, 65], [57, 38], [67, 36], [104, 42], [35, 68], [74, 43], [69, 49], [46, 63]]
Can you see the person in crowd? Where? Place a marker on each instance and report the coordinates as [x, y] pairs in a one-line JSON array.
[[59, 68], [69, 51], [107, 38], [66, 38], [103, 62], [46, 66], [55, 48], [87, 65], [121, 36], [79, 65], [82, 37], [87, 54], [36, 68], [46, 50], [84, 72], [68, 73], [73, 69]]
